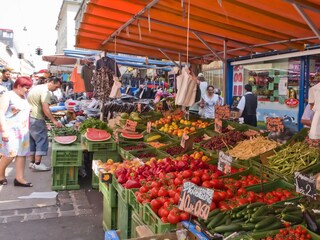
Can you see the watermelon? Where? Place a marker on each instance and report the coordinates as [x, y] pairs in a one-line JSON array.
[[97, 135], [65, 139], [132, 136]]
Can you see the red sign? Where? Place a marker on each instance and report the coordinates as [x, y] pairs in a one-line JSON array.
[[183, 140], [292, 102]]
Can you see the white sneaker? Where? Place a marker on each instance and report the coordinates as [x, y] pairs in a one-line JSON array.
[[40, 167], [31, 165]]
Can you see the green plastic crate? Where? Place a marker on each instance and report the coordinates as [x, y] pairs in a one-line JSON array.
[[154, 222], [124, 219], [270, 186], [136, 206], [65, 178], [136, 221], [105, 155], [109, 192], [109, 217], [158, 154], [93, 146], [125, 154], [123, 193], [94, 181], [66, 155]]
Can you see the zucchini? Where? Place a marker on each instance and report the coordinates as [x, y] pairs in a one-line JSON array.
[[292, 218], [214, 212], [233, 227], [266, 222], [242, 213], [276, 225], [291, 209], [215, 221], [259, 218], [256, 204]]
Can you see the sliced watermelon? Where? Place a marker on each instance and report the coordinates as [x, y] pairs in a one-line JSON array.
[[65, 139], [97, 135], [132, 136]]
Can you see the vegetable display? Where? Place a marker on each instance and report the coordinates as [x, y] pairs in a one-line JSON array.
[[223, 141], [252, 147], [293, 158], [93, 123]]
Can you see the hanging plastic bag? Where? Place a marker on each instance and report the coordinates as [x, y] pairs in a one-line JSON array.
[[115, 90]]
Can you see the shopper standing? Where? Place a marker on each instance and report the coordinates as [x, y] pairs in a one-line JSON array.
[[248, 106], [307, 116], [14, 135], [39, 100], [6, 80], [208, 102]]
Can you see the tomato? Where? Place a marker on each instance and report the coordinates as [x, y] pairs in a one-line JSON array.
[[186, 174], [143, 189], [155, 184], [172, 191], [222, 195], [178, 181], [163, 212], [176, 198], [216, 197], [215, 175], [212, 206], [155, 205], [170, 175], [163, 192], [154, 192], [164, 219], [198, 173], [162, 200], [196, 180], [241, 191], [206, 184], [215, 183], [205, 177], [184, 216], [173, 218], [229, 193]]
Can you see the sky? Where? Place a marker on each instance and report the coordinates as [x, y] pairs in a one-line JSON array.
[[40, 18]]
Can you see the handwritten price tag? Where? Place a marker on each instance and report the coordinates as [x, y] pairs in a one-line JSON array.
[[183, 140], [224, 162], [195, 200], [131, 125], [149, 127], [218, 125], [305, 185]]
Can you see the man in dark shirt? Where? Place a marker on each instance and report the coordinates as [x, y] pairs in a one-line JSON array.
[[248, 106], [6, 81]]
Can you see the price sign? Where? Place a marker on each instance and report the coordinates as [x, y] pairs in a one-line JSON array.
[[222, 112], [275, 124], [183, 140], [305, 185], [131, 125], [116, 136], [218, 125], [149, 127], [224, 162], [106, 177], [195, 200]]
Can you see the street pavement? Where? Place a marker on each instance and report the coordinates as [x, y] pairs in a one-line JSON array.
[[72, 215]]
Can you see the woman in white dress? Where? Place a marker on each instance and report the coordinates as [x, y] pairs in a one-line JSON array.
[[208, 102]]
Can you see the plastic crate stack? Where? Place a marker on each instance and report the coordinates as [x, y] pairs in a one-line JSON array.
[[66, 160], [110, 206], [101, 151]]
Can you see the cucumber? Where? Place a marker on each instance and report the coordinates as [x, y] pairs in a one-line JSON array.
[[276, 225], [248, 226], [291, 209], [228, 221], [256, 204], [266, 222], [263, 210], [259, 218], [215, 221], [292, 218], [242, 213], [214, 212], [233, 227]]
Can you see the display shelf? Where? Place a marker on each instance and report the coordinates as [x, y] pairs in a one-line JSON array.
[[110, 216], [109, 192]]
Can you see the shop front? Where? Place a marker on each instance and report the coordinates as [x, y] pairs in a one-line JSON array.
[[281, 83]]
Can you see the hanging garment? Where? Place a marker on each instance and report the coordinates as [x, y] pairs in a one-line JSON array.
[[78, 83], [102, 81], [314, 97], [187, 89], [86, 75]]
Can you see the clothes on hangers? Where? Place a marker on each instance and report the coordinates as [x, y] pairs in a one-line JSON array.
[[86, 75]]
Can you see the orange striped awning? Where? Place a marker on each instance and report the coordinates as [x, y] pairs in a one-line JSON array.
[[159, 28]]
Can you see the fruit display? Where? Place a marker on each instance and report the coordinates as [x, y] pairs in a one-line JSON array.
[[65, 139], [93, 123], [138, 146], [224, 141], [252, 147], [131, 135], [110, 166], [293, 158], [97, 135], [153, 138], [157, 144]]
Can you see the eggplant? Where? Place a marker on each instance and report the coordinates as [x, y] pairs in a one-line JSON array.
[[310, 220]]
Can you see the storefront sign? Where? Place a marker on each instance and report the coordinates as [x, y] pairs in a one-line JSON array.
[[131, 125], [275, 124], [292, 102], [305, 185], [222, 112], [224, 162], [195, 200]]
